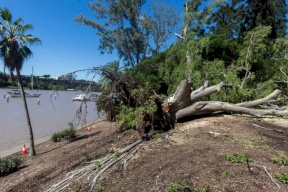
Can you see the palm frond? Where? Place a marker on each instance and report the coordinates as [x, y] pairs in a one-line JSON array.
[[6, 15], [13, 45], [29, 39]]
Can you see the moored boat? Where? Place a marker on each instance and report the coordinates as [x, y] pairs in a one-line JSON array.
[[81, 97], [17, 93]]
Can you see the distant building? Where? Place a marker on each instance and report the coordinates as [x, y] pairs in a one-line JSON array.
[[67, 77]]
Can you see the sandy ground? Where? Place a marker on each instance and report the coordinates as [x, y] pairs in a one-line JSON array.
[[194, 154]]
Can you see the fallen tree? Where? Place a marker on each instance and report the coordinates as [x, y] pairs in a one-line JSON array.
[[185, 102]]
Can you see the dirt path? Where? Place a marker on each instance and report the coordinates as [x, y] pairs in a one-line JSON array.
[[194, 156]]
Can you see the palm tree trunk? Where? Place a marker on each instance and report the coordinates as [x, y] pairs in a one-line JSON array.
[[32, 148], [11, 77]]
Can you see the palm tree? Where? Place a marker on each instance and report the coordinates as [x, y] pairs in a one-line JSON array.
[[114, 66], [111, 73], [14, 51]]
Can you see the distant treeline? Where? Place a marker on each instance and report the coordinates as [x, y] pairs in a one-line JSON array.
[[46, 83]]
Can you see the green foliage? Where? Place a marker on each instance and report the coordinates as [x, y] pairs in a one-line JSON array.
[[97, 165], [281, 159], [224, 174], [178, 187], [206, 189], [238, 158], [148, 71], [99, 189], [156, 136], [267, 13], [282, 177], [66, 134], [131, 116], [117, 154], [9, 165]]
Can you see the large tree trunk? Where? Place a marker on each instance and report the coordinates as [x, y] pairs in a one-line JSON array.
[[32, 147], [184, 103]]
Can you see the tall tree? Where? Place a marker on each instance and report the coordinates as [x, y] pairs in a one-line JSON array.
[[229, 19], [159, 24], [14, 51], [268, 13], [123, 26]]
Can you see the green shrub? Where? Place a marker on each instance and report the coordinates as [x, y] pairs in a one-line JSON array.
[[181, 187], [56, 137], [9, 165], [283, 178], [66, 134], [237, 158], [131, 116]]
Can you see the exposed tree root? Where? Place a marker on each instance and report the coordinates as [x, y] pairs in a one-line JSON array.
[[265, 169], [97, 167]]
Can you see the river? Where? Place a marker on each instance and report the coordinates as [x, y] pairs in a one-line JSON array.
[[51, 115]]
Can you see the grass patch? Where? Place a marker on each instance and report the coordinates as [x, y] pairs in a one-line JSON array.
[[178, 187], [256, 138], [281, 159], [97, 165], [66, 134], [9, 165], [226, 136], [252, 142], [156, 136], [283, 178], [224, 174], [238, 158]]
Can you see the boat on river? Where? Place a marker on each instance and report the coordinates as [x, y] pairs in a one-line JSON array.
[[17, 92], [81, 97]]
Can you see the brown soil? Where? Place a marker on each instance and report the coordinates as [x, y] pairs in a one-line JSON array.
[[193, 154]]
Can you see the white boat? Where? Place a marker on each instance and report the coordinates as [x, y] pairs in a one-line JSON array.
[[17, 92], [81, 97]]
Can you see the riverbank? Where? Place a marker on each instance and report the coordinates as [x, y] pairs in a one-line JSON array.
[[193, 155], [18, 148]]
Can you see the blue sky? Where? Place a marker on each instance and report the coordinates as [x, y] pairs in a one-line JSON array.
[[66, 45]]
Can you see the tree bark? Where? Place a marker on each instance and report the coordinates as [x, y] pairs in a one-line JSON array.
[[184, 102], [31, 138], [206, 107]]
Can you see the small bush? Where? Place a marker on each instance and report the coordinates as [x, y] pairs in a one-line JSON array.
[[237, 158], [66, 134], [56, 137], [9, 165], [181, 187], [281, 159], [283, 178]]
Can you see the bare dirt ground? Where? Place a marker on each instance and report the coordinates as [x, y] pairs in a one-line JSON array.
[[193, 155]]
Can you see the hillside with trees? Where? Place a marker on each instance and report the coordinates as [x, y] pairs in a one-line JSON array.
[[239, 47], [229, 59]]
